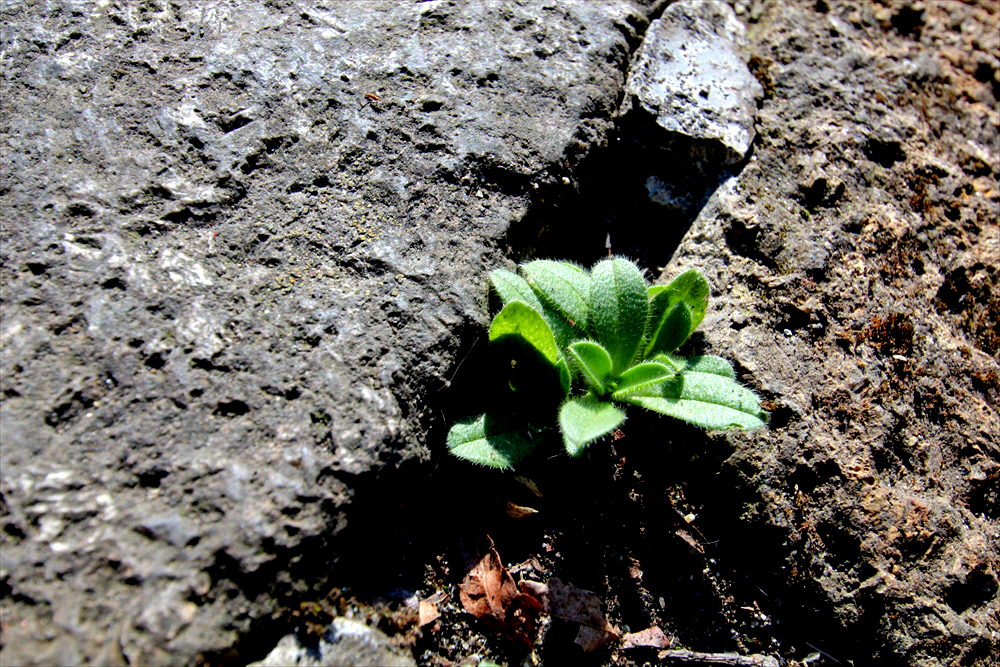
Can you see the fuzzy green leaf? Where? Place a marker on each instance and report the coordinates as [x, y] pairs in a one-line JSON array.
[[710, 364], [639, 378], [654, 290], [671, 331], [561, 328], [593, 362], [512, 287], [561, 286], [691, 288], [521, 320], [583, 419], [671, 361], [541, 331], [659, 304], [708, 400], [565, 377], [618, 308], [492, 441]]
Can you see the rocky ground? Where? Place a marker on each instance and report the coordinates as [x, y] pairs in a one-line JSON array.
[[242, 301]]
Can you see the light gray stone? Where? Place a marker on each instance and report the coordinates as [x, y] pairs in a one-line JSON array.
[[690, 75], [347, 643]]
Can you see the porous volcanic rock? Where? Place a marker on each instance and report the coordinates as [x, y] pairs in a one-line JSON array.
[[245, 244], [855, 270], [240, 242]]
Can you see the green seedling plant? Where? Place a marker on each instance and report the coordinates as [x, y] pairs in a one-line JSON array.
[[577, 348]]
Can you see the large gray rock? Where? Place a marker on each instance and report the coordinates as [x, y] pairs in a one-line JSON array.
[[230, 278]]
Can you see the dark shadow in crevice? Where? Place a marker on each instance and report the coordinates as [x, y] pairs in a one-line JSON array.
[[279, 579], [683, 468], [644, 189]]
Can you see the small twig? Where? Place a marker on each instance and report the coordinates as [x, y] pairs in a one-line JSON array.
[[728, 659], [822, 652], [447, 383]]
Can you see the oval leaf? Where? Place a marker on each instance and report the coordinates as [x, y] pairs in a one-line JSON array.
[[562, 286], [641, 377], [618, 308], [593, 362], [512, 287], [654, 290], [711, 364], [671, 331], [690, 287], [519, 319], [671, 361], [584, 419], [492, 441], [707, 400]]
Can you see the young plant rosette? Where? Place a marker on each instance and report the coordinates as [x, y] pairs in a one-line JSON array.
[[610, 334]]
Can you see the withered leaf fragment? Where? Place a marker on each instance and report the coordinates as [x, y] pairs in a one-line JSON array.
[[634, 569], [428, 608], [522, 619], [530, 564], [729, 659], [692, 544], [528, 483], [489, 593], [487, 590], [518, 511], [570, 603], [591, 639], [428, 613]]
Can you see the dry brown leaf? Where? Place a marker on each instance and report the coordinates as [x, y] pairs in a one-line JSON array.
[[570, 603], [440, 596], [653, 637], [591, 639], [731, 659], [528, 483], [530, 564], [536, 589], [489, 593], [428, 612], [518, 511], [692, 543], [487, 590], [522, 619]]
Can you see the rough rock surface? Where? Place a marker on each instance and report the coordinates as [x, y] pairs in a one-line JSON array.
[[232, 286], [856, 262], [230, 278], [348, 643], [690, 74]]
